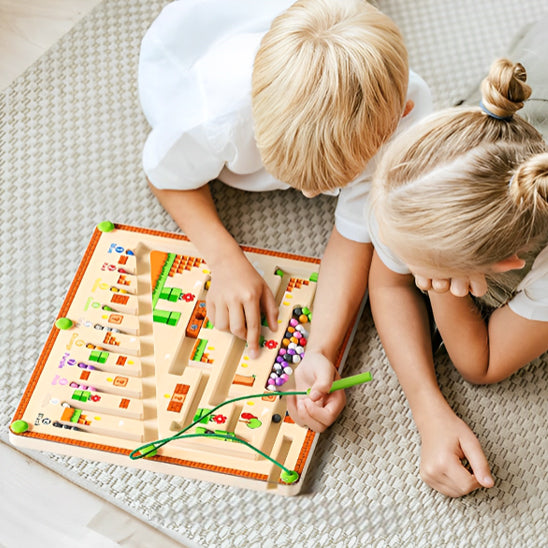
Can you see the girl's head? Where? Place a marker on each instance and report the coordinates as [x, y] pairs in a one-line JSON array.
[[466, 190], [329, 87]]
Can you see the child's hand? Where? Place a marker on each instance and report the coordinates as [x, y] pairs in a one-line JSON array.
[[319, 409], [446, 442], [460, 287], [236, 296]]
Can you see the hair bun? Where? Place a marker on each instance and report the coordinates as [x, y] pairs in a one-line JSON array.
[[504, 89], [529, 185]]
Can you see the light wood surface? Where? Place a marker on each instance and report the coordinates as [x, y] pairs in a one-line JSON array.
[[40, 508], [29, 27]]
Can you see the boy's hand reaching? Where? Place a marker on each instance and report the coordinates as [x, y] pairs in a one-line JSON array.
[[234, 301], [319, 409], [446, 442]]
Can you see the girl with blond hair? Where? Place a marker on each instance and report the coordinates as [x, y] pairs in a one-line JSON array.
[[461, 210]]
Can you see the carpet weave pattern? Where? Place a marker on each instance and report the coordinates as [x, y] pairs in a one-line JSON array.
[[71, 135]]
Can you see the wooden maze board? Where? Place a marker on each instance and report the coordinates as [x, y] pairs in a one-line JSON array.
[[133, 358]]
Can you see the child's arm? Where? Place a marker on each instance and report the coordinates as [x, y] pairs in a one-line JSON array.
[[341, 287], [486, 352], [237, 292], [402, 322]]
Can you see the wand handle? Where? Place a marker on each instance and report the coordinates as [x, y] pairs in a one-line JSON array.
[[347, 382]]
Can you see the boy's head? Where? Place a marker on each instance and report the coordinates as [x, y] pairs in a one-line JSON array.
[[329, 87]]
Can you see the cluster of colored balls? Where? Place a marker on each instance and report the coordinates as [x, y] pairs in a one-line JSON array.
[[291, 351]]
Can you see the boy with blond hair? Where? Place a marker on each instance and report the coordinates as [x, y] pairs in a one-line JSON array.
[[272, 96]]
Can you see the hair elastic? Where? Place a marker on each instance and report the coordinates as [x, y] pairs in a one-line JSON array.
[[511, 180], [489, 113]]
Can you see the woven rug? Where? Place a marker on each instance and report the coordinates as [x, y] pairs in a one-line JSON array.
[[71, 134]]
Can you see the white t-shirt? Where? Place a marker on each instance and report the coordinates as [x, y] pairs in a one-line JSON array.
[[531, 299], [195, 72]]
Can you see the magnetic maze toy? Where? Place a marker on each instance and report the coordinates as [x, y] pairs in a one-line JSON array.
[[134, 373]]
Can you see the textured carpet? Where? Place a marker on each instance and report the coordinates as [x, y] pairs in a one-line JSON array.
[[71, 134]]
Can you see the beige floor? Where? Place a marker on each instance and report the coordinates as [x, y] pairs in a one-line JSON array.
[[40, 508], [29, 27], [33, 496]]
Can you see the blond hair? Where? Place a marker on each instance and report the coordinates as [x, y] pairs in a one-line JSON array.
[[464, 190], [328, 89]]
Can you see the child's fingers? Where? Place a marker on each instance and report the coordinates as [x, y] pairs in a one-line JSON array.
[[236, 318], [322, 381], [253, 324], [449, 477], [270, 309], [475, 284], [218, 316], [474, 454], [440, 285], [292, 408], [297, 411], [463, 482], [459, 483], [319, 417], [308, 416], [478, 285], [424, 284], [457, 479], [210, 309], [459, 287]]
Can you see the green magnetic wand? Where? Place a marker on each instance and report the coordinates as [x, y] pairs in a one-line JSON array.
[[287, 475]]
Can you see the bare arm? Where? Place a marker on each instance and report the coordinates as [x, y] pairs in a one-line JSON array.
[[193, 210], [237, 292], [402, 322], [341, 286], [486, 352]]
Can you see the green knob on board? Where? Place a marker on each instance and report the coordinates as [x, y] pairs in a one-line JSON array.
[[20, 426], [289, 476], [106, 226], [64, 323]]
